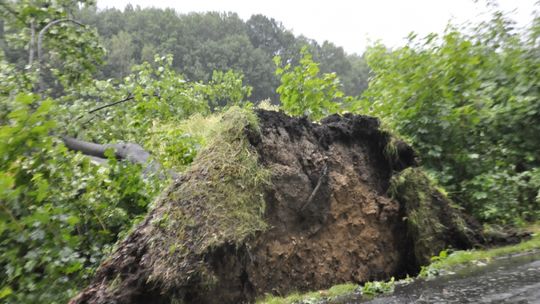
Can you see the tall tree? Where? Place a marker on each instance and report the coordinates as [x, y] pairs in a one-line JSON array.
[[121, 53]]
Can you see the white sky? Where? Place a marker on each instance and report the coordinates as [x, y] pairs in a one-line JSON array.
[[351, 24]]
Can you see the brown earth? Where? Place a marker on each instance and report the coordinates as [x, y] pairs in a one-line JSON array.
[[329, 220]]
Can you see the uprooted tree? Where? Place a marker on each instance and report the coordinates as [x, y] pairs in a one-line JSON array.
[[275, 204]]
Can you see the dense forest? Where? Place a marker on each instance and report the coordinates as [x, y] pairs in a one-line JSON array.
[[202, 43], [468, 101]]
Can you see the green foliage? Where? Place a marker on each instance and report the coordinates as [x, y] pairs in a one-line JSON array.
[[321, 296], [304, 92], [469, 103], [227, 89], [59, 66], [202, 43], [446, 262], [59, 213], [159, 100], [371, 289], [173, 146]]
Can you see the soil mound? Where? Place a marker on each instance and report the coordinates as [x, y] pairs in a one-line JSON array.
[[279, 204]]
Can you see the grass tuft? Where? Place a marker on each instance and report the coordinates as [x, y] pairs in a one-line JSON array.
[[390, 150], [218, 200], [311, 297]]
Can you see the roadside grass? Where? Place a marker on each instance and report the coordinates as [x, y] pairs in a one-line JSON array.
[[311, 297], [445, 262]]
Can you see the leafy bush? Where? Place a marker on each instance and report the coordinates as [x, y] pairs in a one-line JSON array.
[[470, 104], [304, 92], [60, 213]]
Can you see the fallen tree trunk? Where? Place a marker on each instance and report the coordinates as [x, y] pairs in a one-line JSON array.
[[131, 152], [287, 206]]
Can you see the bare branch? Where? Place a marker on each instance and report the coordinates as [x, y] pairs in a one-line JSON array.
[[32, 46], [46, 28], [130, 97]]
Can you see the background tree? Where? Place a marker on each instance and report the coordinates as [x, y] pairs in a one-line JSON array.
[[120, 56], [204, 42]]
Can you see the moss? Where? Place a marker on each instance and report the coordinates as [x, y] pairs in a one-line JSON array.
[[390, 150], [219, 200], [429, 213]]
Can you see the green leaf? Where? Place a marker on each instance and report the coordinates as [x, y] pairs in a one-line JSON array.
[[5, 292]]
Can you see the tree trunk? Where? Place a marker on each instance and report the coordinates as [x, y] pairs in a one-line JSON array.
[[131, 152]]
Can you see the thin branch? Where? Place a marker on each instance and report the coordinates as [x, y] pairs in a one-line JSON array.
[[32, 46], [84, 123], [130, 97], [112, 104], [46, 28], [319, 183]]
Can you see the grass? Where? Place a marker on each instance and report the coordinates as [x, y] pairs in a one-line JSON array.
[[311, 297], [218, 201], [390, 151], [175, 145], [446, 262], [369, 290], [233, 180], [268, 106], [372, 289]]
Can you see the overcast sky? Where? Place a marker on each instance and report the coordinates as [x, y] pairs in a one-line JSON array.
[[351, 24]]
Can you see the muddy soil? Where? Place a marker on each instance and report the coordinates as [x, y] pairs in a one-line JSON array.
[[330, 220]]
